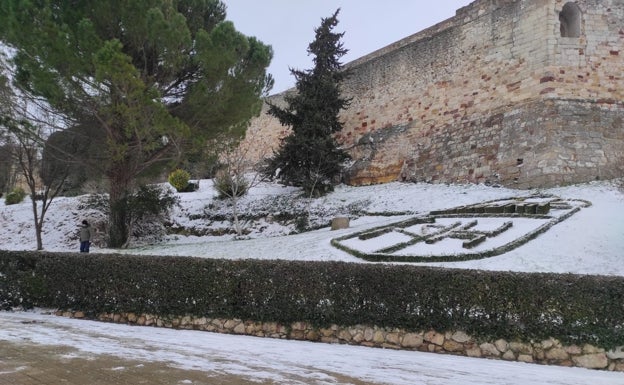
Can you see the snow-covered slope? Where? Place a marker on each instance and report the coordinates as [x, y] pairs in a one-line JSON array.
[[589, 242]]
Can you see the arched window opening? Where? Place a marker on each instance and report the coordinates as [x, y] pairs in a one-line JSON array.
[[570, 20]]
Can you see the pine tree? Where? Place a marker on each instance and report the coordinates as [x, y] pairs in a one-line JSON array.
[[310, 156], [150, 78]]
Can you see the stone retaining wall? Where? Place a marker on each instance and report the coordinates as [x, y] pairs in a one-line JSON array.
[[468, 99], [549, 351]]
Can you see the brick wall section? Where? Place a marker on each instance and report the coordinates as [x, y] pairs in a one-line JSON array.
[[494, 93]]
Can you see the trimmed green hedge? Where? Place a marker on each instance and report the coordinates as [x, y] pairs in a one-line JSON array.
[[491, 305]]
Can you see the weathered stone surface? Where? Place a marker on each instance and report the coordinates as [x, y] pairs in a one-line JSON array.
[[557, 354], [185, 321], [200, 321], [312, 335], [589, 349], [474, 352], [518, 347], [379, 337], [489, 350], [460, 337], [618, 367], [239, 329], [453, 346], [358, 337], [340, 223], [393, 338], [495, 102], [412, 340], [501, 345], [434, 338], [344, 335], [592, 361], [573, 349]]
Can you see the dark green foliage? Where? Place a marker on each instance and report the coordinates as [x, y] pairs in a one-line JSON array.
[[310, 157], [19, 287], [302, 222], [191, 186], [152, 77], [179, 179], [151, 201], [72, 151], [16, 196], [575, 309]]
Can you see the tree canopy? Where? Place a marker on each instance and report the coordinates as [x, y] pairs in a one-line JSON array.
[[151, 77], [310, 157]]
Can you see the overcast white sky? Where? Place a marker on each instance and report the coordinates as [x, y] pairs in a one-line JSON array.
[[288, 26]]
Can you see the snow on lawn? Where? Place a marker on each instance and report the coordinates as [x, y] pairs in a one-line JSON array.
[[274, 361], [589, 242]]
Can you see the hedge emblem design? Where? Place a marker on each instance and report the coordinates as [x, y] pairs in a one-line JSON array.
[[462, 233]]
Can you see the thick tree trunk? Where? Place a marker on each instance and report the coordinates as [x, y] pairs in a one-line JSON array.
[[117, 217]]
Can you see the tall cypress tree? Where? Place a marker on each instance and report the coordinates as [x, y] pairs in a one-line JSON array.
[[310, 156]]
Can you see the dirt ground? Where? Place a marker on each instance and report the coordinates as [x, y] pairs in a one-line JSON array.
[[30, 365], [27, 364]]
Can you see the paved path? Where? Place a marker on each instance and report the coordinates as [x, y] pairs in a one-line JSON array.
[[37, 349]]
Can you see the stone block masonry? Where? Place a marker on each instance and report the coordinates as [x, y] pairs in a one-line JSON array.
[[549, 351], [526, 93]]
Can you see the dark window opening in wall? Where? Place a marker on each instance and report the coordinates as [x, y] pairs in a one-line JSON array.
[[570, 20]]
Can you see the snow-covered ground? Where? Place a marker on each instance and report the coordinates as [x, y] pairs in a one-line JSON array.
[[273, 361], [589, 242]]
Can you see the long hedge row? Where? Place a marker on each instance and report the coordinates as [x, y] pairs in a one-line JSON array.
[[523, 306]]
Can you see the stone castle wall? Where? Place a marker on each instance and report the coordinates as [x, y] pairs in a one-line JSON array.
[[501, 92]]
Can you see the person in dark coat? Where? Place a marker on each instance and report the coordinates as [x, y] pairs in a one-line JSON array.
[[85, 237]]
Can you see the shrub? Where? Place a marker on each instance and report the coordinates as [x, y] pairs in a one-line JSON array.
[[575, 309], [191, 186], [229, 186], [151, 200], [15, 196], [179, 179], [148, 210]]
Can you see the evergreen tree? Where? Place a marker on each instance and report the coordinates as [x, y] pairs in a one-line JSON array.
[[310, 157], [150, 77]]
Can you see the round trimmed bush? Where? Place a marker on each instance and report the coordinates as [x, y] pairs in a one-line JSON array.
[[179, 179]]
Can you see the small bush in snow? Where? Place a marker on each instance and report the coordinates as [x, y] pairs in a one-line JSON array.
[[15, 196], [179, 179], [230, 186]]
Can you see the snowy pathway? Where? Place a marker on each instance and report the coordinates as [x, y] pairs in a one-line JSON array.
[[271, 361]]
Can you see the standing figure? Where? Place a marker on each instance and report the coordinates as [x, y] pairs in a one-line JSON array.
[[85, 237]]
